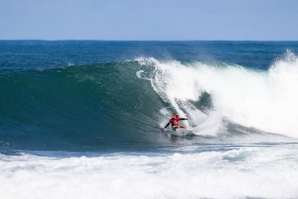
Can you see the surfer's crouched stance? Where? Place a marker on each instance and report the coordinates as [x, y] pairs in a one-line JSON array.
[[174, 122]]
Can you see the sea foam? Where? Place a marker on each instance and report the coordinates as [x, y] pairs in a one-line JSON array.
[[264, 100], [258, 172]]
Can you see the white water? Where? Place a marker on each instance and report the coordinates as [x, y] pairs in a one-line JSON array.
[[265, 100], [258, 172]]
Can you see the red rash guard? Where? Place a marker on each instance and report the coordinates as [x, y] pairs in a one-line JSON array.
[[174, 122]]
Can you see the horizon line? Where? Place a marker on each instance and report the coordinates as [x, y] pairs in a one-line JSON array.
[[112, 40]]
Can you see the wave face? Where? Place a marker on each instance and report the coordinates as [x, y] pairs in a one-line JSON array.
[[91, 105]]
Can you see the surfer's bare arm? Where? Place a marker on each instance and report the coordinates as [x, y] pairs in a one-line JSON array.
[[166, 126], [183, 118]]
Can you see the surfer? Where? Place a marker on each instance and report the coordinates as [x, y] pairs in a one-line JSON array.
[[174, 122]]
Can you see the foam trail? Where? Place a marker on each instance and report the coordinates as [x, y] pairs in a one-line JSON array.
[[257, 172], [265, 100]]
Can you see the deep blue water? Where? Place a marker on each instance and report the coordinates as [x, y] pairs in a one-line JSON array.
[[90, 96]]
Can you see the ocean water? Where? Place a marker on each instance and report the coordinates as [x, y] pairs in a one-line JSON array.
[[83, 119]]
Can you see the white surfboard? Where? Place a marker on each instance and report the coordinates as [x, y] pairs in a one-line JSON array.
[[180, 132]]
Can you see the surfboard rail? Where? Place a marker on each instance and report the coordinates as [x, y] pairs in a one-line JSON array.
[[180, 132]]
